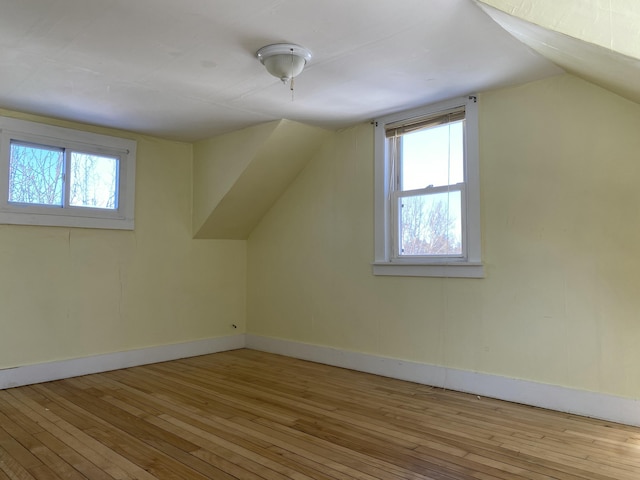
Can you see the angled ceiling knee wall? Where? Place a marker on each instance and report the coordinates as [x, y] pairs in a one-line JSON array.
[[597, 41], [237, 177]]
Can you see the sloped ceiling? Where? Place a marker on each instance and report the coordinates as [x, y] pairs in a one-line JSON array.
[[238, 176], [187, 69], [578, 36], [612, 24], [598, 41]]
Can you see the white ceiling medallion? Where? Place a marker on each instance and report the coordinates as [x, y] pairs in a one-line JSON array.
[[284, 60]]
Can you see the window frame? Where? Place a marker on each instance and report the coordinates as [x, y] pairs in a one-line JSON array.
[[469, 264], [70, 140]]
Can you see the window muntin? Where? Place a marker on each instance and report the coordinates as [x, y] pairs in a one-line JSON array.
[[62, 177], [427, 215]]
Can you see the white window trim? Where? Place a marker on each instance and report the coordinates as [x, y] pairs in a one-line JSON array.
[[468, 267], [125, 149]]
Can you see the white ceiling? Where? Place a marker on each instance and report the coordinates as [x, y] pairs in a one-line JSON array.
[[187, 69]]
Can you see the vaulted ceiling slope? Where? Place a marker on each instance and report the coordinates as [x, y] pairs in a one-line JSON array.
[[187, 70], [238, 176], [598, 41], [612, 24]]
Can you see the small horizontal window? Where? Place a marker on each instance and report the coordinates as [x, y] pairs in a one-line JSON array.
[[61, 177]]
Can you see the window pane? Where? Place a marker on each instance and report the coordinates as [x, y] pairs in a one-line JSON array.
[[431, 224], [93, 181], [433, 156], [36, 174]]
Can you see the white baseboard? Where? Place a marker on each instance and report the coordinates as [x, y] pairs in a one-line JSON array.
[[554, 397], [44, 372]]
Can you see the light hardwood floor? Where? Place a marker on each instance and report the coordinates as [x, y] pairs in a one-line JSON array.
[[251, 415]]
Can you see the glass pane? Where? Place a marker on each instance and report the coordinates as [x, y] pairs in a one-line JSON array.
[[36, 174], [433, 156], [93, 181], [431, 224]]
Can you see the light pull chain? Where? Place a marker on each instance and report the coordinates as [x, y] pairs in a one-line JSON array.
[[291, 81]]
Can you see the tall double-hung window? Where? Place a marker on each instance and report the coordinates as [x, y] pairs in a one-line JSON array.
[[427, 192]]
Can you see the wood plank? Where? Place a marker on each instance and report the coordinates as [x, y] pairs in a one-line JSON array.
[[12, 467], [102, 456], [251, 415]]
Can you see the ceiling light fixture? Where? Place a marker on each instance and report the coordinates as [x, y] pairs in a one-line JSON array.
[[284, 60]]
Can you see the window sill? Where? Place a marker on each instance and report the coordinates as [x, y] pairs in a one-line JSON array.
[[447, 270], [64, 220]]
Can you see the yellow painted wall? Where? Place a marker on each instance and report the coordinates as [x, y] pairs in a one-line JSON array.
[[612, 24], [218, 162], [560, 169], [68, 293]]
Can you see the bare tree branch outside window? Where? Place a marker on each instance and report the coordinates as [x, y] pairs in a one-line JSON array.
[[37, 176], [429, 227], [93, 181]]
